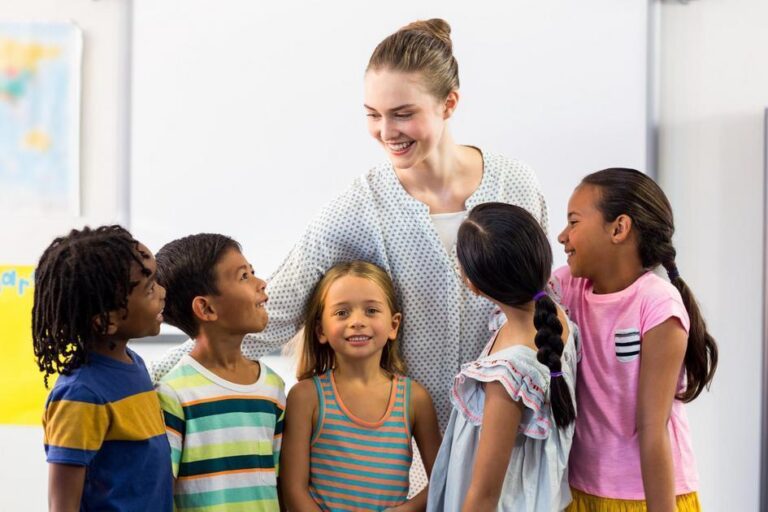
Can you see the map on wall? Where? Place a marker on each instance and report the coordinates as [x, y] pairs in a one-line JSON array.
[[39, 118]]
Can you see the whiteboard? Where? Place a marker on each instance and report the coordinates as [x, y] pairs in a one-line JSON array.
[[247, 117]]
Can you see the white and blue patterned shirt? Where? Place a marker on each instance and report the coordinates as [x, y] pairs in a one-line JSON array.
[[444, 324]]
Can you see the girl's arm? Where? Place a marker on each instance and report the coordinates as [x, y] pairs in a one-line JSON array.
[[426, 431], [65, 487], [661, 360], [300, 417], [501, 419]]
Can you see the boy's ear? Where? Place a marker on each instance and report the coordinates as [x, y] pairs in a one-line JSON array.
[[203, 309], [321, 337], [396, 319], [621, 227], [97, 324]]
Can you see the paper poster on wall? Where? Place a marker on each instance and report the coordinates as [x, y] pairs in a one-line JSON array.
[[40, 118], [22, 393]]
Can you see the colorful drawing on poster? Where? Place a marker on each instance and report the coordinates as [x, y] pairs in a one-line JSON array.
[[22, 393], [40, 118]]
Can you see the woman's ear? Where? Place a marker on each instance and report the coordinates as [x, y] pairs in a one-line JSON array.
[[450, 104], [203, 309]]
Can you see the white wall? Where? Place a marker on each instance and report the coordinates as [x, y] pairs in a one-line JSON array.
[[104, 121], [714, 88]]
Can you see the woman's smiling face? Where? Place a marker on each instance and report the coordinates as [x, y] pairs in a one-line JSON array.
[[406, 119]]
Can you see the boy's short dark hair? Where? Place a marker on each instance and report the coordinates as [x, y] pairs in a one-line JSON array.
[[186, 269], [81, 276]]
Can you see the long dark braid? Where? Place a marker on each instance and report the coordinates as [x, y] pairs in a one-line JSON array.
[[80, 277], [549, 341], [504, 252], [632, 193]]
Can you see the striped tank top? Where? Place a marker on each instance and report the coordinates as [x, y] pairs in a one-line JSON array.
[[355, 464]]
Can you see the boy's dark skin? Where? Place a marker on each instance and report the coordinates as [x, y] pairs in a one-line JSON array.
[[144, 316]]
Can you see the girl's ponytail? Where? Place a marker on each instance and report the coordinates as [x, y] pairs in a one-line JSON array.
[[630, 192], [549, 341], [701, 354]]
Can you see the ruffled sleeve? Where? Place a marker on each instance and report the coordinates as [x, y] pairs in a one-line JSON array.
[[524, 379]]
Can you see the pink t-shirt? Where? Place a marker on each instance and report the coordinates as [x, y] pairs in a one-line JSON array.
[[605, 456]]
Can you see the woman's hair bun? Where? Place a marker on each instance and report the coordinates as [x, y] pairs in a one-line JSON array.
[[436, 27]]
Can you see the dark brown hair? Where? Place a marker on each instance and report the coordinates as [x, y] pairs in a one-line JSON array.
[[421, 47], [80, 277], [632, 193], [317, 358], [186, 268], [505, 254]]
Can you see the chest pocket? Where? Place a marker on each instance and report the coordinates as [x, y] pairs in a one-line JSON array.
[[627, 344]]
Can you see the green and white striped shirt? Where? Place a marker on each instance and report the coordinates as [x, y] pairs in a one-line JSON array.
[[225, 438]]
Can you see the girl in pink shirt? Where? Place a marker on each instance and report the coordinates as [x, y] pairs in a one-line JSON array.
[[646, 349]]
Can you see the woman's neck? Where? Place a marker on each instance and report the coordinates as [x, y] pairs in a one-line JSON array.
[[445, 179]]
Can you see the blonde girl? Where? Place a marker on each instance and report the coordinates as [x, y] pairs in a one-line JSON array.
[[351, 418]]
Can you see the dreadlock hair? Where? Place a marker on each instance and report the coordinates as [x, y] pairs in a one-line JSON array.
[[186, 269], [79, 280], [317, 358], [506, 255], [632, 193]]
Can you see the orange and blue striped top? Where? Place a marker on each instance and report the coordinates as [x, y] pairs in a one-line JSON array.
[[355, 464]]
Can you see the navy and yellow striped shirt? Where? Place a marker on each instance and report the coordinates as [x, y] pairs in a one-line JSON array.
[[106, 416]]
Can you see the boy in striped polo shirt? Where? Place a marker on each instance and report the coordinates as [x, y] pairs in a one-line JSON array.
[[223, 412]]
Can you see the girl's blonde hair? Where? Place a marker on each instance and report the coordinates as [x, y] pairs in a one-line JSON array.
[[317, 358]]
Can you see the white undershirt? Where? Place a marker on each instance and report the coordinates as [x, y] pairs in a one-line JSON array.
[[447, 227]]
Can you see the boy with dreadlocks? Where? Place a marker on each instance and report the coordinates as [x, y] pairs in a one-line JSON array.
[[104, 435]]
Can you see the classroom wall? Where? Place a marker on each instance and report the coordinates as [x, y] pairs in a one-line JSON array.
[[714, 89], [104, 122]]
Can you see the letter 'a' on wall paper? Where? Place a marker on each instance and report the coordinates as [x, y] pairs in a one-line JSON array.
[[40, 75], [22, 393]]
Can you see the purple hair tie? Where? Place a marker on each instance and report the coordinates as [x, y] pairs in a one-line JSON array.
[[539, 296], [552, 375]]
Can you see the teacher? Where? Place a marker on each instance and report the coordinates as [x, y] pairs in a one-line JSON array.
[[404, 215]]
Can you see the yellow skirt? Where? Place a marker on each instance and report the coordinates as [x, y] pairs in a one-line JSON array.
[[583, 502]]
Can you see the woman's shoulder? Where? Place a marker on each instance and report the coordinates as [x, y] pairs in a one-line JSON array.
[[506, 167]]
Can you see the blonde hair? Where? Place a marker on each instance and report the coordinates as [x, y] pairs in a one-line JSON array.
[[317, 358], [421, 47]]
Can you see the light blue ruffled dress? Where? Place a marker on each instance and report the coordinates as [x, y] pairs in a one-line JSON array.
[[537, 475]]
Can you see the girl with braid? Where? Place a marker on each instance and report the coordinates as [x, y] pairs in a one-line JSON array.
[[646, 348], [509, 434], [105, 438]]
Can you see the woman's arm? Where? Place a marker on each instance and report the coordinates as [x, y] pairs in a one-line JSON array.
[[65, 487], [300, 418], [426, 431], [661, 360], [501, 419]]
